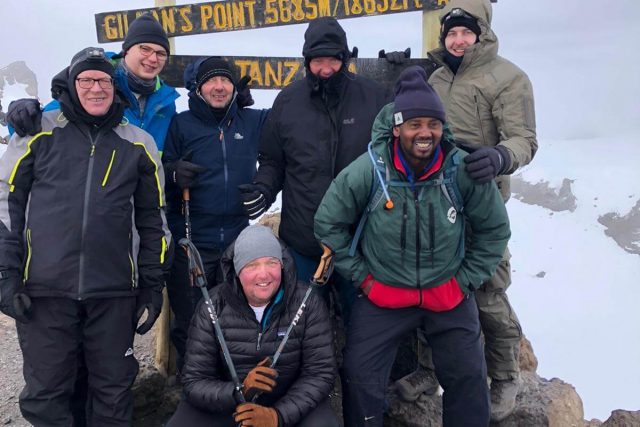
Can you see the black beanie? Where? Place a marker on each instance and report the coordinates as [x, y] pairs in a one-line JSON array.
[[214, 66], [325, 37], [145, 29], [459, 18], [90, 58], [414, 97]]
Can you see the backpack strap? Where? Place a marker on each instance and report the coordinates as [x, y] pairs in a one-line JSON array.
[[451, 191], [376, 195]]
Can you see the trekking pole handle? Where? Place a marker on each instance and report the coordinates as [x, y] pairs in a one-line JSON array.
[[325, 267], [185, 195]]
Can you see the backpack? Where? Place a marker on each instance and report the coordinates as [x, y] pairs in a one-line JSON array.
[[446, 179]]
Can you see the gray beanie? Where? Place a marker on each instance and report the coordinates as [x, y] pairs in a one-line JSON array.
[[255, 241]]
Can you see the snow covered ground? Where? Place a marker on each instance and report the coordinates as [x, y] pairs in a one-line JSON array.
[[582, 316]]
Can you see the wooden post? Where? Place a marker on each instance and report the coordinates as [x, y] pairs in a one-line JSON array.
[[430, 31], [165, 357]]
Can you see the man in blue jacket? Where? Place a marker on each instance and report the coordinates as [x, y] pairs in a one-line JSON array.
[[145, 52], [211, 149]]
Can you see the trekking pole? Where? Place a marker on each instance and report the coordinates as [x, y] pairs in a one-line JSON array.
[[320, 278], [199, 280], [185, 208]]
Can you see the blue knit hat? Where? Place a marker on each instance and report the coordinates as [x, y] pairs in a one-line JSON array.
[[414, 97]]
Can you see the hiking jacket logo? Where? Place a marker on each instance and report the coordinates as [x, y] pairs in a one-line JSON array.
[[451, 215], [238, 135]]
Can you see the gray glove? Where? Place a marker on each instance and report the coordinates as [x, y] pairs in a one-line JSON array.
[[485, 163], [396, 57], [25, 116], [13, 301]]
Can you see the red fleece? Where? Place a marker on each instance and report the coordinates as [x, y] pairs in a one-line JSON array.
[[443, 297]]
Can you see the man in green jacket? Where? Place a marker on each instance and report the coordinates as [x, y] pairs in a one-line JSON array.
[[490, 108], [411, 264]]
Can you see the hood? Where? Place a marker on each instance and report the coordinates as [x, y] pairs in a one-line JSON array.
[[487, 47], [65, 93], [325, 37], [231, 284], [480, 9]]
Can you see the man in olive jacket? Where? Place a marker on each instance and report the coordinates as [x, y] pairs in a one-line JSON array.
[[490, 109], [411, 265]]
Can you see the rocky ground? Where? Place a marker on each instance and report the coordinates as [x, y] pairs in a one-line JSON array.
[[11, 382]]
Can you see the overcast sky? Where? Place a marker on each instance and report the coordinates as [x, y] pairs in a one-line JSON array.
[[581, 56]]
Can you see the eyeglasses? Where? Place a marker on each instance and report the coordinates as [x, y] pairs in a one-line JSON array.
[[145, 50], [456, 13], [87, 83]]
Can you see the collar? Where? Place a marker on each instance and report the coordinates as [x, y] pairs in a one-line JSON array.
[[400, 163]]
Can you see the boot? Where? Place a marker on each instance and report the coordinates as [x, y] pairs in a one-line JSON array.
[[420, 381], [503, 397]]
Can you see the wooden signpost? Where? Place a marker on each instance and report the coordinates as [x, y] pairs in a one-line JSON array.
[[278, 72], [234, 15]]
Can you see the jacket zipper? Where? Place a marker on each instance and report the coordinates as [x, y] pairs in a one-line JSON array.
[[432, 235], [418, 245], [85, 214], [223, 142], [133, 266], [403, 232], [29, 249], [484, 139]]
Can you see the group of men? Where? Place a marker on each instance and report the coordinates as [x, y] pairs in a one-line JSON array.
[[430, 250]]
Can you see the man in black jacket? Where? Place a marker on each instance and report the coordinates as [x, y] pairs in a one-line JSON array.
[[317, 126], [255, 305], [67, 273]]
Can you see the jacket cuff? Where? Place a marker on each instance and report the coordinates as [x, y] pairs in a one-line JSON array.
[[506, 159]]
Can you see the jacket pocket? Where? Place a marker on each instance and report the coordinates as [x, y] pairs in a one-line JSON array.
[[108, 171]]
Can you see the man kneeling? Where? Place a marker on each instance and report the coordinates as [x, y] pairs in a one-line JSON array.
[[255, 305]]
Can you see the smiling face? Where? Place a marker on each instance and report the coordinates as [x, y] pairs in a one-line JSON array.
[[96, 100], [143, 60], [418, 140], [260, 280], [459, 39], [217, 91]]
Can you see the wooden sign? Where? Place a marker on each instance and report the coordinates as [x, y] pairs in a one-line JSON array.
[[234, 15], [278, 72]]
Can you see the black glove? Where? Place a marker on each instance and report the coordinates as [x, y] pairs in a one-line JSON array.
[[244, 98], [13, 301], [183, 173], [25, 116], [485, 163], [255, 199], [149, 299], [397, 57]]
